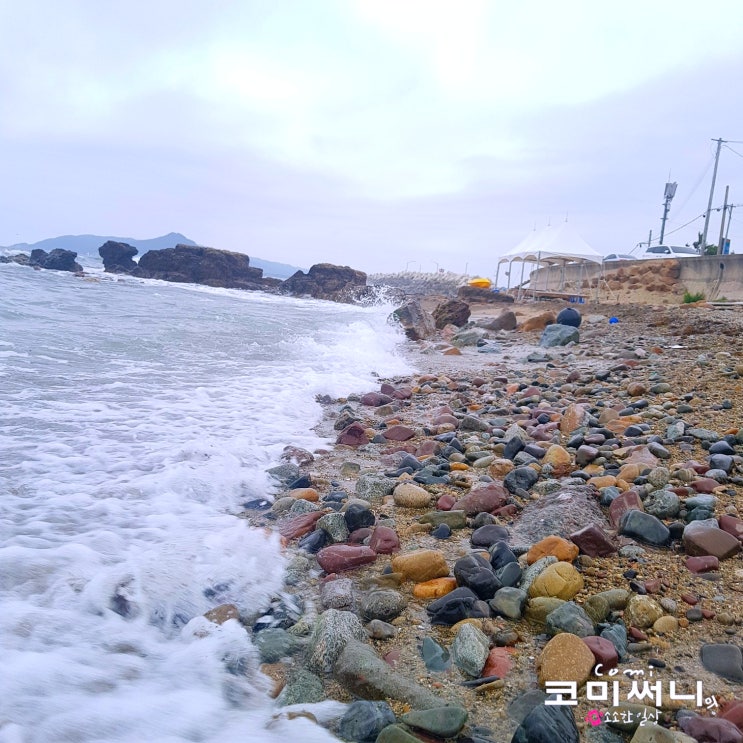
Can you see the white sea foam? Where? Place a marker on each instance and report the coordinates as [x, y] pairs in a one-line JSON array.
[[136, 418]]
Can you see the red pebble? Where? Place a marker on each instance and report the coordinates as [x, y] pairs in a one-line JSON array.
[[392, 658], [702, 564], [603, 651], [384, 540], [652, 586], [705, 485], [340, 557], [498, 664], [690, 598], [300, 525], [732, 711], [732, 525], [446, 502], [359, 535], [637, 634], [353, 435], [623, 503]]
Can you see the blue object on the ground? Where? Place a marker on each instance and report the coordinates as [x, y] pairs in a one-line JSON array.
[[613, 320]]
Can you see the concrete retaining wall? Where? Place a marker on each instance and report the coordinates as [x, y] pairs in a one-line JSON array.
[[714, 276]]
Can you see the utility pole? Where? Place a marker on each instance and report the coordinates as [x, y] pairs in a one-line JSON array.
[[703, 245], [722, 222], [668, 195]]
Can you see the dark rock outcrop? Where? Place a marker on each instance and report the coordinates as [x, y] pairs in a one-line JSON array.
[[451, 312], [20, 258], [56, 260], [416, 322], [200, 265], [326, 281], [484, 296], [117, 257]]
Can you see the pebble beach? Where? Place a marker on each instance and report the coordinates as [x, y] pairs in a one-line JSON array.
[[522, 543]]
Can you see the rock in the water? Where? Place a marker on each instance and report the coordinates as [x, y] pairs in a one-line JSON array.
[[58, 259], [363, 673], [302, 687], [326, 281], [332, 631], [273, 644], [200, 265], [417, 323], [117, 257], [364, 721], [548, 724]]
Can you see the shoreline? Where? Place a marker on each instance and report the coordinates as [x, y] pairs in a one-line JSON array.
[[634, 336]]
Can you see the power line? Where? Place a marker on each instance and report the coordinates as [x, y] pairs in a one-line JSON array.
[[735, 152], [685, 225]]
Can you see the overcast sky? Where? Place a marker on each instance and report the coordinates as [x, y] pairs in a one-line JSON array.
[[381, 134]]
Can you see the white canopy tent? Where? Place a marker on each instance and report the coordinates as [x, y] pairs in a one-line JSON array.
[[551, 246]]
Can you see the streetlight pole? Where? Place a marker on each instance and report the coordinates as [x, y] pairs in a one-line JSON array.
[[437, 265], [407, 264]]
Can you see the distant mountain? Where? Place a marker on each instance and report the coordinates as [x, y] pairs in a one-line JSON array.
[[87, 245], [274, 270]]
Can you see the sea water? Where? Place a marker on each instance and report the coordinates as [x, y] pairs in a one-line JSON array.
[[135, 419]]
